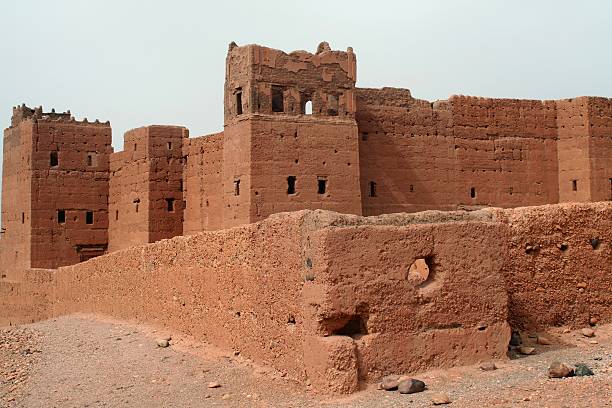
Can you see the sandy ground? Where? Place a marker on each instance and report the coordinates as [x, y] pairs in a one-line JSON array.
[[89, 361]]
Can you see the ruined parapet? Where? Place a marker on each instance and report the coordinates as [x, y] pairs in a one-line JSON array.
[[261, 80], [22, 113]]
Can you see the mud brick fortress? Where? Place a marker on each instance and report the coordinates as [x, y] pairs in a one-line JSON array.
[[374, 272]]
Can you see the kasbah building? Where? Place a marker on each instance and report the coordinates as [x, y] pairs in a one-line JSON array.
[[323, 207]]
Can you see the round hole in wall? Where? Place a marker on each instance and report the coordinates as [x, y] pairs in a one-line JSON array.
[[324, 163], [257, 193], [348, 164], [296, 161]]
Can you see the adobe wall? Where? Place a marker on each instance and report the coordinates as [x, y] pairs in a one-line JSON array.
[[15, 240], [28, 299], [600, 120], [423, 155], [77, 185], [556, 274], [203, 184], [144, 176]]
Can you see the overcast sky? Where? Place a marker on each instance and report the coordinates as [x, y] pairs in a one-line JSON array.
[[137, 63]]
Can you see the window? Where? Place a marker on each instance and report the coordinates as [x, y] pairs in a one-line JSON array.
[[372, 189], [291, 184], [61, 216], [364, 136], [237, 187], [411, 188], [136, 203], [574, 185], [23, 218], [321, 185], [610, 189], [473, 192], [239, 101], [170, 204], [116, 215], [308, 107], [135, 146], [332, 105], [278, 104], [169, 145], [90, 160], [89, 218], [53, 159]]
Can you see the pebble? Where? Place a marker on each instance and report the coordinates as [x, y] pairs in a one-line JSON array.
[[488, 366], [526, 350], [582, 370], [559, 370], [411, 386], [588, 332], [163, 343], [214, 384], [440, 399], [390, 382], [226, 396]]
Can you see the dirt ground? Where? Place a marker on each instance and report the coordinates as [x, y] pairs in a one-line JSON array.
[[92, 361]]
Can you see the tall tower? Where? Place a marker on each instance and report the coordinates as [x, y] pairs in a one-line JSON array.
[[55, 189], [290, 138]]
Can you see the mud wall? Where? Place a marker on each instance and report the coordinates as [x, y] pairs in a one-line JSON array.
[[600, 119], [28, 300]]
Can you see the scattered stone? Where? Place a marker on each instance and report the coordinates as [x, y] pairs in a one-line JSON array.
[[563, 246], [411, 386], [214, 384], [593, 342], [582, 370], [390, 382], [440, 399], [488, 366], [226, 396], [581, 285], [593, 321], [566, 330], [543, 341], [559, 370], [163, 343], [515, 339], [526, 350], [587, 332]]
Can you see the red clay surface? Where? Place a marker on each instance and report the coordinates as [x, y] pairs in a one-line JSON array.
[[89, 361]]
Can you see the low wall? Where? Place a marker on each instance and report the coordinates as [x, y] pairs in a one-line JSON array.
[[339, 299]]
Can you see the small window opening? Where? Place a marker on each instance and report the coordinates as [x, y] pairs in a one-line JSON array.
[[89, 217], [116, 215], [170, 204], [239, 101], [610, 189], [308, 107], [574, 185], [278, 104], [291, 184], [23, 218], [411, 188], [364, 136], [137, 202], [473, 192], [237, 187], [332, 105], [169, 145], [61, 216], [89, 160], [321, 185], [372, 189], [53, 159]]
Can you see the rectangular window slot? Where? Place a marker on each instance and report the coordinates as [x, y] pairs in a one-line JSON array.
[[116, 215], [239, 101], [574, 185], [278, 104], [411, 188], [135, 146], [61, 216], [372, 192], [170, 204], [136, 203], [23, 218], [237, 187], [89, 218], [321, 185], [169, 145], [473, 192], [364, 136], [291, 180], [53, 159]]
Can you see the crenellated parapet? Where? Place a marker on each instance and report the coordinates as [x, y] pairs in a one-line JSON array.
[[22, 113]]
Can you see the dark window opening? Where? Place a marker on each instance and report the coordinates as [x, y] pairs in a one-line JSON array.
[[611, 189], [181, 185], [278, 104], [169, 145], [53, 159], [239, 102], [89, 160], [364, 136], [116, 215], [321, 185], [372, 189], [473, 192], [332, 105], [61, 216], [135, 146], [23, 218], [411, 188], [291, 184], [574, 185], [170, 204], [237, 187], [89, 219], [137, 202]]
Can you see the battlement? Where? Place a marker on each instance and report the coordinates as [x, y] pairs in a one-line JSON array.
[[22, 113]]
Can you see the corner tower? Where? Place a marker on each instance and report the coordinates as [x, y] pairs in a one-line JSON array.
[[291, 140]]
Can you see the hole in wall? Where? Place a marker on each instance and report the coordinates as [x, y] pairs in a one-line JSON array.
[[595, 242], [291, 319], [418, 271], [53, 159], [364, 136], [291, 182], [321, 185], [89, 217], [239, 101], [116, 215], [61, 216], [169, 145], [23, 218], [237, 187], [89, 160], [354, 326], [574, 185], [170, 204], [372, 190], [278, 104], [308, 107], [473, 192]]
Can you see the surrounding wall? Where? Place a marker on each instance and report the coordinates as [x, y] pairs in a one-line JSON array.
[[340, 299], [146, 187]]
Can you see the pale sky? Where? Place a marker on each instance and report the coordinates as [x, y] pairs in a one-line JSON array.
[[138, 63]]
